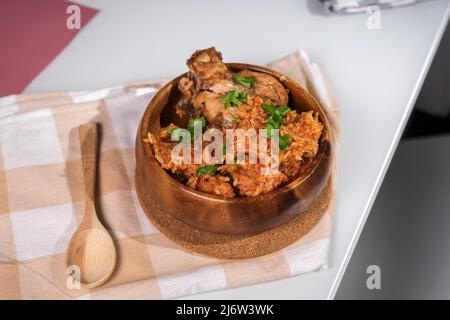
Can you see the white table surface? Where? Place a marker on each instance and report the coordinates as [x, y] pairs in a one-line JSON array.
[[376, 75]]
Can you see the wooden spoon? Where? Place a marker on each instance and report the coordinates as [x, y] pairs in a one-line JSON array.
[[91, 248]]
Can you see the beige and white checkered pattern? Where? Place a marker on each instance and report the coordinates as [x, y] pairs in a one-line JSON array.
[[41, 201]]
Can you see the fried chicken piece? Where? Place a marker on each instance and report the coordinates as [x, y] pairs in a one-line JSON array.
[[206, 68], [186, 87], [211, 106], [268, 87], [207, 80], [183, 108]]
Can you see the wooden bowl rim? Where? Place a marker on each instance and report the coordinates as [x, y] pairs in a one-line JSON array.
[[143, 129]]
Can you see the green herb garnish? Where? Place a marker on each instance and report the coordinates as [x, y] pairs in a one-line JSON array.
[[274, 110], [270, 125], [192, 123], [247, 82], [283, 110], [268, 108], [276, 117], [211, 170], [234, 98], [284, 141]]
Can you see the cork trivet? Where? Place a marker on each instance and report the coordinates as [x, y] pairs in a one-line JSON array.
[[235, 246]]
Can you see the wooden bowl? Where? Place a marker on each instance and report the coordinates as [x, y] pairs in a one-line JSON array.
[[243, 215]]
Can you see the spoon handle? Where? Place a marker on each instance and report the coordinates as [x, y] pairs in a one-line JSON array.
[[88, 146]]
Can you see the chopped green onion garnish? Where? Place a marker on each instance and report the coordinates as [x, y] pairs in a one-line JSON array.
[[211, 170], [280, 110], [268, 108], [234, 98], [284, 141], [276, 117], [247, 82], [283, 110]]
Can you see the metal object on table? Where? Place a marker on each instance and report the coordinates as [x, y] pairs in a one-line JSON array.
[[361, 6]]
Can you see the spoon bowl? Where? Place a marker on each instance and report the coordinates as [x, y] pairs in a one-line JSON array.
[[93, 251]]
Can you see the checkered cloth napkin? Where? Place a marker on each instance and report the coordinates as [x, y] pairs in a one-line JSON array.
[[41, 200]]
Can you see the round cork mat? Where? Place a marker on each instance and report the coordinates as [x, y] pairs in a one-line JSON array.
[[235, 246]]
